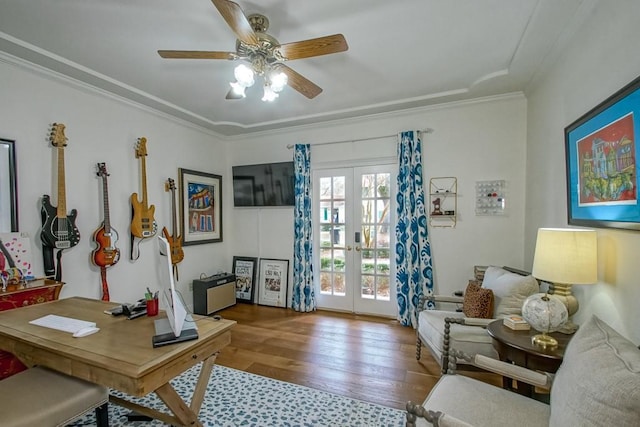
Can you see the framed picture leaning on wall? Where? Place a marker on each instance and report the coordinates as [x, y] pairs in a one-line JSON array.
[[602, 163], [245, 269], [273, 282]]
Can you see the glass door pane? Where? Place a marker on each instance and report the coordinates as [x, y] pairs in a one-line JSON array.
[[376, 233], [332, 228]]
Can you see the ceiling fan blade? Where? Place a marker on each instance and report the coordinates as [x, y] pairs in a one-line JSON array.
[[300, 83], [196, 54], [234, 16], [313, 47]]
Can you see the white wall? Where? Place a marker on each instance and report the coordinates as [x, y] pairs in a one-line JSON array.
[[478, 140], [102, 129], [482, 140], [600, 59]]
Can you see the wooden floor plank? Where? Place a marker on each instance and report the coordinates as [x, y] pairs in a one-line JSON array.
[[362, 357]]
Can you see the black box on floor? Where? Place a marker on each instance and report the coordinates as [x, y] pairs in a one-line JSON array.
[[214, 293]]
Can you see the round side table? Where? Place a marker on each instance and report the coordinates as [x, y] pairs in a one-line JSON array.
[[516, 347]]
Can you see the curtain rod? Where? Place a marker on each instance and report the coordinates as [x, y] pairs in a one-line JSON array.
[[427, 130]]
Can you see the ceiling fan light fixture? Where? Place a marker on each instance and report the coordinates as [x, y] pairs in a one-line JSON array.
[[278, 81], [238, 89], [269, 94], [244, 75], [264, 53]]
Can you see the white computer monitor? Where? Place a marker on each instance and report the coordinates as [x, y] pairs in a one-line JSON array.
[[176, 311]]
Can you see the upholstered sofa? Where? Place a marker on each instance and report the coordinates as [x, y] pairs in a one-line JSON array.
[[598, 384], [444, 327]]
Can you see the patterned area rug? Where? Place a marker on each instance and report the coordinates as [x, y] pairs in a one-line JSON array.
[[237, 398]]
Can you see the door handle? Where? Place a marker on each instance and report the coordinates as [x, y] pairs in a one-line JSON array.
[[349, 248], [358, 248]]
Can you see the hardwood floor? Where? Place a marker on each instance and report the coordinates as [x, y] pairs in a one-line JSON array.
[[363, 357]]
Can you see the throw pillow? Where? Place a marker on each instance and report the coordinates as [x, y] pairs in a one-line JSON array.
[[478, 302], [598, 382], [509, 290]]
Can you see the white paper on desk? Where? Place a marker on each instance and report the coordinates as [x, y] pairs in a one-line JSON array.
[[62, 323], [19, 247]]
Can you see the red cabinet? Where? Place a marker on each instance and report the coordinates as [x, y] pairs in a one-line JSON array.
[[35, 292]]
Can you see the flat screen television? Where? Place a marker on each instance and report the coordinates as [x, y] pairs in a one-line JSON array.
[[268, 184]]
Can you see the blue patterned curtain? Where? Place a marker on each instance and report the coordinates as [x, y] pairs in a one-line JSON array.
[[414, 275], [304, 298]]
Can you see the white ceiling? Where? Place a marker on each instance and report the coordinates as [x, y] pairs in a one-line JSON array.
[[402, 54]]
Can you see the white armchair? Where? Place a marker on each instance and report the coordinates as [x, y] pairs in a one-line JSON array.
[[598, 384], [442, 329]]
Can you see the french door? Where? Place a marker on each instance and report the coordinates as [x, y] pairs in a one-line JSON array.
[[354, 229]]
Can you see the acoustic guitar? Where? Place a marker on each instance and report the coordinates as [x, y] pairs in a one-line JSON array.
[[143, 223], [59, 230], [106, 253], [175, 240]]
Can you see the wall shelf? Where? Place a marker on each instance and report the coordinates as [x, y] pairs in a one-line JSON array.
[[491, 197], [443, 200]]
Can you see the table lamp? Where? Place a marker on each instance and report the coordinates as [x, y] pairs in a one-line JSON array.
[[566, 257], [545, 313]]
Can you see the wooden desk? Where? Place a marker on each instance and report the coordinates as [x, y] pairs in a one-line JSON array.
[[516, 347], [120, 355]]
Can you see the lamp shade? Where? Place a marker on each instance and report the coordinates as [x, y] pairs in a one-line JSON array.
[[565, 255]]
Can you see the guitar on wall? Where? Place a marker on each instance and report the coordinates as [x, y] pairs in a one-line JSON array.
[[175, 241], [106, 253], [59, 230], [143, 224]]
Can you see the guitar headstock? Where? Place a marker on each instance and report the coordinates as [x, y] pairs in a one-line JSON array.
[[170, 185], [141, 147], [102, 170], [56, 136]]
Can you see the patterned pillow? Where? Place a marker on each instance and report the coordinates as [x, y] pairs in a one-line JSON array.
[[478, 302]]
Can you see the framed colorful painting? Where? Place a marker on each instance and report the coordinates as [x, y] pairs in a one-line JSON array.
[[602, 163], [201, 207]]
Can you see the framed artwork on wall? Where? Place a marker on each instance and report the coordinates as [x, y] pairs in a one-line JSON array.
[[8, 190], [602, 163], [245, 269], [200, 207], [273, 282]]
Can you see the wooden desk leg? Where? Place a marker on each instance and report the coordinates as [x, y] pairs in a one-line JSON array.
[[203, 380], [180, 409]]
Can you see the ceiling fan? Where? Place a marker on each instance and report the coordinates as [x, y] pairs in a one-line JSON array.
[[264, 54]]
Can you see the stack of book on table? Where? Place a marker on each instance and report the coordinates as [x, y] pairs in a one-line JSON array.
[[517, 323]]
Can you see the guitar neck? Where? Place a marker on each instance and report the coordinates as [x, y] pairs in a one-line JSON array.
[[62, 198], [174, 221], [144, 181], [105, 196]]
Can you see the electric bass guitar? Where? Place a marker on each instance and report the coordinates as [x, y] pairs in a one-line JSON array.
[[143, 223], [59, 230], [106, 253], [175, 241]]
